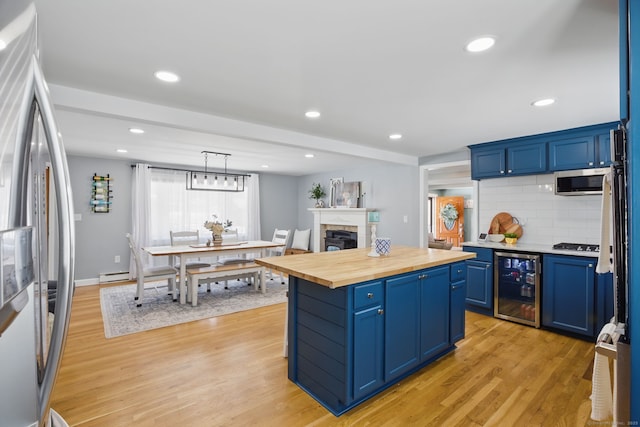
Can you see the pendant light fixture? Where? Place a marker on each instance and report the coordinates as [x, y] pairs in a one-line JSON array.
[[231, 181]]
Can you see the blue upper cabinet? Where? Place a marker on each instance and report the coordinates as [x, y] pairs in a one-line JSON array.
[[488, 162], [572, 153], [527, 158], [502, 160], [579, 148], [589, 151]]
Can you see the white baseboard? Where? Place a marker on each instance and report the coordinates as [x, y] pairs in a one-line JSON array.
[[87, 282]]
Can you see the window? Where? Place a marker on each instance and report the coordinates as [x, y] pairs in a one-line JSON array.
[[173, 207]]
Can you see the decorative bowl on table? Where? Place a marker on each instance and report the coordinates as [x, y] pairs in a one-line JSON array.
[[495, 237]]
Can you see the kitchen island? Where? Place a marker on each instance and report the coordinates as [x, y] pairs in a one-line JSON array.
[[359, 324]]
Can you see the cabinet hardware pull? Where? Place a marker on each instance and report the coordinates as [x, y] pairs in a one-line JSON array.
[[459, 271], [422, 276], [509, 171], [502, 172], [488, 267], [590, 265], [380, 311], [370, 295], [590, 163]]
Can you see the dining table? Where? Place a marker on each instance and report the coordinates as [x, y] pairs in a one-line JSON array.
[[186, 252]]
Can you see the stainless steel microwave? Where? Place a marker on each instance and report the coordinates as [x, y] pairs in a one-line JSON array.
[[579, 182]]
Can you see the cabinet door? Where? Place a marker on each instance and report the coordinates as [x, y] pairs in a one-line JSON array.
[[527, 159], [568, 295], [480, 284], [604, 150], [572, 153], [434, 316], [487, 162], [402, 325], [368, 333], [456, 317]]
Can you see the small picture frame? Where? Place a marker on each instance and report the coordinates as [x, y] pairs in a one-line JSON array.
[[482, 237], [374, 216]]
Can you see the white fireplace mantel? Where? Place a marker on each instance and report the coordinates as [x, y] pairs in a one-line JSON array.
[[353, 217]]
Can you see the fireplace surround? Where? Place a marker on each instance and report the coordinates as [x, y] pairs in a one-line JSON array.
[[348, 219]]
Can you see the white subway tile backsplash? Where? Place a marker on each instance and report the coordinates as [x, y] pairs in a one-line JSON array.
[[545, 217]]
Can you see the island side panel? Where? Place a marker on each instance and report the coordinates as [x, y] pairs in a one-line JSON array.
[[318, 345]]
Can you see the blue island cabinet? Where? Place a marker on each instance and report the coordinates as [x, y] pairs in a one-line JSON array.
[[350, 343]]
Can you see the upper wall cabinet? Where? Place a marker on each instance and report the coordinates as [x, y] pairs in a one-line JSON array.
[[589, 151], [505, 160], [579, 148]]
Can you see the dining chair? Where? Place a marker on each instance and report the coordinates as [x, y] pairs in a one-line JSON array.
[[181, 238], [151, 274], [282, 237]]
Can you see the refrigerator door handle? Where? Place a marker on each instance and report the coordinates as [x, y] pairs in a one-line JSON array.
[[66, 233]]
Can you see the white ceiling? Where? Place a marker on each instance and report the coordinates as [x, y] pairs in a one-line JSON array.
[[251, 68]]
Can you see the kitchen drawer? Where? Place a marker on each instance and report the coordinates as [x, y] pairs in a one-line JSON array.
[[458, 271], [368, 294], [482, 254]]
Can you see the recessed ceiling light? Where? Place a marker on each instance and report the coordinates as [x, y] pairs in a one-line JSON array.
[[312, 114], [167, 76], [543, 102], [309, 156], [265, 166], [3, 44], [121, 150], [395, 136], [137, 131], [480, 44]]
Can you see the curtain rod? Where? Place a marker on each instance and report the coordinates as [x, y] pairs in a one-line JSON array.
[[191, 170]]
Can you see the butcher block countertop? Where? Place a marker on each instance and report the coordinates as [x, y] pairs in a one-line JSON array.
[[341, 268]]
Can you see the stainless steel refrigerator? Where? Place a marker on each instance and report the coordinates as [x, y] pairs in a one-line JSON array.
[[36, 228]]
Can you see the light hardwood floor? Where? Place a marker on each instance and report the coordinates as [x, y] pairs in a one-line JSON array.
[[229, 371]]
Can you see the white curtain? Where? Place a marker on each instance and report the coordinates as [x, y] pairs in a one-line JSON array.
[[173, 207], [253, 194], [141, 211]]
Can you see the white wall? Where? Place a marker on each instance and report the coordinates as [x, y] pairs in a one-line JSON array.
[[545, 217]]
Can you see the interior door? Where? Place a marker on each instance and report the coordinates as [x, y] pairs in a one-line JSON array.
[[449, 221]]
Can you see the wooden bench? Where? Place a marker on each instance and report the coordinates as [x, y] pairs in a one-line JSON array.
[[223, 272]]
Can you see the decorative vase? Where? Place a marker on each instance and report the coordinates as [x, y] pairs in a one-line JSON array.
[[319, 203], [449, 223], [216, 238]]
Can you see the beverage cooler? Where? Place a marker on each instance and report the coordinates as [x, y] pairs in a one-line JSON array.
[[517, 287]]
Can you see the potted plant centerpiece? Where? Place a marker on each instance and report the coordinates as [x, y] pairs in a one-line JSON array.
[[510, 238], [217, 227], [317, 193]]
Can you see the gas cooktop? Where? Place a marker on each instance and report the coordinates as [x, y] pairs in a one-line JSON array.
[[577, 247]]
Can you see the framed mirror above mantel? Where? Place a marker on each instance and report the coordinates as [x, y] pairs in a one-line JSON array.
[[348, 219]]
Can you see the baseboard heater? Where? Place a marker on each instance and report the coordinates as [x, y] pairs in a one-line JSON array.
[[117, 276]]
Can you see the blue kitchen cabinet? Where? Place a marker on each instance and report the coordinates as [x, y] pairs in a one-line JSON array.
[[569, 290], [368, 338], [572, 153], [488, 162], [505, 160], [604, 150], [527, 159], [480, 280], [402, 324], [434, 312], [457, 299]]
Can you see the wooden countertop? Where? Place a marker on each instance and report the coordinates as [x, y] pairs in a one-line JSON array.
[[341, 268]]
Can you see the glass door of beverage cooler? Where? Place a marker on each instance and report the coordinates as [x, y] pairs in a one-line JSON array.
[[517, 287]]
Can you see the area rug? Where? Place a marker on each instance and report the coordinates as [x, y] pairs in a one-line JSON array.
[[121, 316]]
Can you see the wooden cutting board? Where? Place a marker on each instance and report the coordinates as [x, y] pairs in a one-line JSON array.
[[505, 223], [500, 222]]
